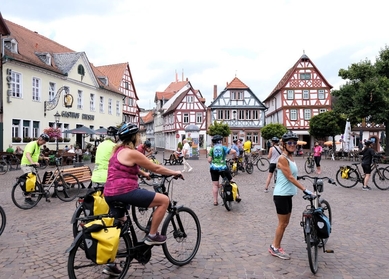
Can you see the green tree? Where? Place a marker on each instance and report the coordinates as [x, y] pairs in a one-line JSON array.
[[273, 130], [327, 124], [365, 95], [219, 128]]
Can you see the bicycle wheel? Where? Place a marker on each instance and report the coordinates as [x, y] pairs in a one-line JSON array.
[[43, 164], [312, 243], [348, 182], [327, 212], [249, 168], [67, 187], [381, 178], [183, 231], [26, 200], [3, 220], [309, 166], [263, 164], [76, 225], [80, 267], [227, 204], [141, 217], [4, 167]]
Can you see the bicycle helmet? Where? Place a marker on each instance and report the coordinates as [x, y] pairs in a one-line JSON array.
[[275, 139], [289, 136], [147, 144], [368, 142], [126, 131], [217, 138], [45, 137], [112, 131]]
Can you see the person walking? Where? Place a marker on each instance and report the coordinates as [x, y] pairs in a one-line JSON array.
[[317, 150], [274, 152], [367, 159], [185, 154], [285, 189]]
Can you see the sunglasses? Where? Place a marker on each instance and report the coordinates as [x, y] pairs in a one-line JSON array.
[[291, 142]]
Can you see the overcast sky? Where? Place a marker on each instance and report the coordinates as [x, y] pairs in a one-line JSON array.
[[210, 41]]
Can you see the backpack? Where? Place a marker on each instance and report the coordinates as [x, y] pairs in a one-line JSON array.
[[101, 240], [322, 223], [95, 204]]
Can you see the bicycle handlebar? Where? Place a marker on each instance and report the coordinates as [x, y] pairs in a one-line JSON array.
[[303, 177], [156, 175]]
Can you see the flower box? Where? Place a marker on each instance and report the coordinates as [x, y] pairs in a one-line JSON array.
[[16, 139], [28, 139], [66, 139], [51, 139], [60, 139]]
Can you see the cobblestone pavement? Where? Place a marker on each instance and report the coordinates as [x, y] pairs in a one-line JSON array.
[[234, 244]]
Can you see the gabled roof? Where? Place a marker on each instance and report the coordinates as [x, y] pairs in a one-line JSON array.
[[285, 79], [170, 91], [114, 72], [163, 95], [4, 31], [179, 99], [148, 118], [236, 83]]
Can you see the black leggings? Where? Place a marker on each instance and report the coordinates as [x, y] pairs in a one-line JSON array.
[[317, 160], [216, 174]]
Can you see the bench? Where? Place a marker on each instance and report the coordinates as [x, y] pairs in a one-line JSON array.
[[68, 158], [83, 174], [172, 160]]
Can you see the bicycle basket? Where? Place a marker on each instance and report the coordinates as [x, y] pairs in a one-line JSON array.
[[344, 171]]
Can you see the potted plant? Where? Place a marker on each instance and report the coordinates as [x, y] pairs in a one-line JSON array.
[[66, 139], [27, 139], [51, 139], [59, 139], [16, 139]]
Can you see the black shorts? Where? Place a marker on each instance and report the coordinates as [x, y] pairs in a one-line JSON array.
[[366, 169], [272, 168], [283, 204], [216, 174]]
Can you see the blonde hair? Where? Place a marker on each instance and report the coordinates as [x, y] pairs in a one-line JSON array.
[[130, 143]]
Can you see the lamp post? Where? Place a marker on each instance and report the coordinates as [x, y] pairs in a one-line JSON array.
[[57, 117]]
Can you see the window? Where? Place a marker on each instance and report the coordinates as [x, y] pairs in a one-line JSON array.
[[36, 89], [15, 128], [236, 95], [101, 104], [220, 114], [66, 127], [307, 114], [79, 99], [92, 102], [320, 94], [109, 106], [26, 128], [305, 75], [117, 108], [241, 114], [51, 91], [186, 118], [290, 95], [255, 115], [35, 129], [322, 110], [126, 85], [16, 84], [130, 102], [11, 44], [189, 99], [199, 117], [81, 70], [305, 94], [293, 114]]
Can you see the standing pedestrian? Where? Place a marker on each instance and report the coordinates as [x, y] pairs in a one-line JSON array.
[[284, 190], [185, 154], [367, 158], [274, 152], [317, 150]]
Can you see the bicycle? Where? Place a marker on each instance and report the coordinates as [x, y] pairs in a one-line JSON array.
[[66, 187], [3, 220], [4, 166], [348, 176], [181, 226], [248, 163], [309, 165], [261, 163], [225, 192], [309, 221]]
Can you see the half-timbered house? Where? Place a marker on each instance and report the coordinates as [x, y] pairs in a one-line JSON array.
[[302, 93], [241, 109]]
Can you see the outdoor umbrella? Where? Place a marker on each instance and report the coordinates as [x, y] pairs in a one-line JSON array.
[[330, 142], [301, 142], [349, 145], [101, 131], [81, 130]]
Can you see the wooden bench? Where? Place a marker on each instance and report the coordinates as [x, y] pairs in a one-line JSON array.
[[68, 158], [83, 174]]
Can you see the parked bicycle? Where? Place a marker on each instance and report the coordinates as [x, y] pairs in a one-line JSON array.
[[4, 166], [3, 220], [260, 162], [309, 165], [348, 176], [226, 192], [316, 232], [181, 226], [66, 187]]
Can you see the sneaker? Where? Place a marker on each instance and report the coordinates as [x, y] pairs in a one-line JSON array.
[[112, 270], [279, 253], [266, 190], [190, 169], [366, 188], [183, 171], [29, 201], [157, 239]]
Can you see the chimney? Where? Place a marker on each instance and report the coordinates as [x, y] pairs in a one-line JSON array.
[[214, 92]]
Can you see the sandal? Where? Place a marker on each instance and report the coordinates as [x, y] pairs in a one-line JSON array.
[[215, 203]]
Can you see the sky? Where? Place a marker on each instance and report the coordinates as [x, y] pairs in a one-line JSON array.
[[210, 42]]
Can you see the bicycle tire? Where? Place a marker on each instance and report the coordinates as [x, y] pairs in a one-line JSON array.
[[381, 178], [327, 212], [227, 204], [263, 164], [19, 196], [67, 191], [312, 243], [43, 164], [249, 168], [3, 220], [79, 267], [309, 166], [349, 182], [4, 167], [142, 217], [183, 231], [76, 226]]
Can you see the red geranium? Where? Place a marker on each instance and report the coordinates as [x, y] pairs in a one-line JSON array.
[[53, 132]]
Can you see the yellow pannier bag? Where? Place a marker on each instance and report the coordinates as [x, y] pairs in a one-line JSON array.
[[345, 170], [95, 204], [234, 190], [30, 182]]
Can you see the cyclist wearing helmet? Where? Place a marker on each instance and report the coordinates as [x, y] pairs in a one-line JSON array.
[[145, 148], [274, 152], [367, 159], [30, 156], [122, 182], [218, 167], [284, 190]]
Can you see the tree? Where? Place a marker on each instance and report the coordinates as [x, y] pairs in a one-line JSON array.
[[273, 130], [366, 92], [219, 128], [327, 124]]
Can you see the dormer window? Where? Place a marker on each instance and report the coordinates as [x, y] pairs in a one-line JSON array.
[[81, 70], [45, 57], [11, 45], [104, 80]]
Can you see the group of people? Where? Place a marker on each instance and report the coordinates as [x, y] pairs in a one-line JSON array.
[[18, 150]]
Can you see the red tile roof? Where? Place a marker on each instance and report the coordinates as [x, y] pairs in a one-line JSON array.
[[114, 72], [149, 117], [236, 83], [4, 31]]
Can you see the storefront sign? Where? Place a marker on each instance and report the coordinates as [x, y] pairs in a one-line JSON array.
[[76, 115]]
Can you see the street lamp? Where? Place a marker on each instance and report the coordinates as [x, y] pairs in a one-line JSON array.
[[57, 117]]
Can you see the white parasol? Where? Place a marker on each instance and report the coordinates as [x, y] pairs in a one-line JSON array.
[[347, 137]]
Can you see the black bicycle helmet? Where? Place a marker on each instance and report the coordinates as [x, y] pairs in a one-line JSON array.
[[45, 137], [289, 136], [112, 131], [127, 130], [275, 139], [147, 144], [368, 142], [217, 138]]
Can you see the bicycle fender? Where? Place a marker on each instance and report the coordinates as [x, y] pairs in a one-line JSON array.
[[74, 217], [79, 235], [307, 228]]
